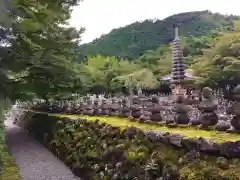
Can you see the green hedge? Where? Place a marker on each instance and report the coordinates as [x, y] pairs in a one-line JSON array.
[[96, 151]]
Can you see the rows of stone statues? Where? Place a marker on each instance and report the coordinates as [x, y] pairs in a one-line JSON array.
[[151, 109]]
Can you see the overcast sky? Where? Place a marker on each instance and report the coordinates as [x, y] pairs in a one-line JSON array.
[[101, 16]]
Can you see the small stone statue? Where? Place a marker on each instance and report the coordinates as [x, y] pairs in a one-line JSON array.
[[115, 107], [81, 108], [89, 108], [181, 116], [235, 110], [65, 106], [208, 116], [69, 108], [96, 108], [136, 107], [126, 111], [104, 108], [146, 114], [155, 110], [77, 108]]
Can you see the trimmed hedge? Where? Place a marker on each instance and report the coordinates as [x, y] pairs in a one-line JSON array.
[[95, 151]]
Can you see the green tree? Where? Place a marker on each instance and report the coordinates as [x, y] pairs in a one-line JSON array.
[[40, 52], [142, 78], [220, 64]]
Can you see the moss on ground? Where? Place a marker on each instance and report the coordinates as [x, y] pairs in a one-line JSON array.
[[9, 170], [204, 170], [190, 132]]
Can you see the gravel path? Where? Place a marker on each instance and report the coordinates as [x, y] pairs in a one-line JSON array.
[[34, 161]]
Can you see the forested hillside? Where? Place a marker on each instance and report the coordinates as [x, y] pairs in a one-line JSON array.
[[213, 58], [133, 40]]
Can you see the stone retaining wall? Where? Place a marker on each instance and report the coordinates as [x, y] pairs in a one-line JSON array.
[[226, 149]]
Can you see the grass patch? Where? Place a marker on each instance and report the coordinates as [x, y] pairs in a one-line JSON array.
[[9, 170], [190, 132]]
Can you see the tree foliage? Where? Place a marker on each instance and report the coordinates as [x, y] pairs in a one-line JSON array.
[[37, 52], [220, 65]]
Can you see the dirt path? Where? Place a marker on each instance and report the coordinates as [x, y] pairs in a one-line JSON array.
[[34, 161]]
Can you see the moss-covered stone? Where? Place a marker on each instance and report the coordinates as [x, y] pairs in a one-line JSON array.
[[203, 170], [94, 149], [181, 110], [190, 132], [208, 116]]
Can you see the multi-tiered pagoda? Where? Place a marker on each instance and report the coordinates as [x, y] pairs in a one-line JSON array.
[[178, 74], [178, 65]]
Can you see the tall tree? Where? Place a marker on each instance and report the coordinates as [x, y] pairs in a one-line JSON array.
[[40, 50]]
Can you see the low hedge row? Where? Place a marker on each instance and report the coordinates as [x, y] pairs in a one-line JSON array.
[[99, 151], [8, 168]]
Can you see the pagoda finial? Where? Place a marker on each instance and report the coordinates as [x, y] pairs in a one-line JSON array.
[[176, 32]]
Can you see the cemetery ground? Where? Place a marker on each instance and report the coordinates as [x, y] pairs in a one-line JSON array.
[[139, 142]]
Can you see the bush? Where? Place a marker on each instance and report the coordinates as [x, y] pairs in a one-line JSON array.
[[99, 151]]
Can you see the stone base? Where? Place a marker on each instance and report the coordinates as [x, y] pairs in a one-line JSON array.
[[207, 128]]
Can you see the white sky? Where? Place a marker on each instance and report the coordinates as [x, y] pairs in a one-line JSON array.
[[101, 16]]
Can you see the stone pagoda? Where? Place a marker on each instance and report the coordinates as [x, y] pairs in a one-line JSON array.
[[178, 77], [178, 66]]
